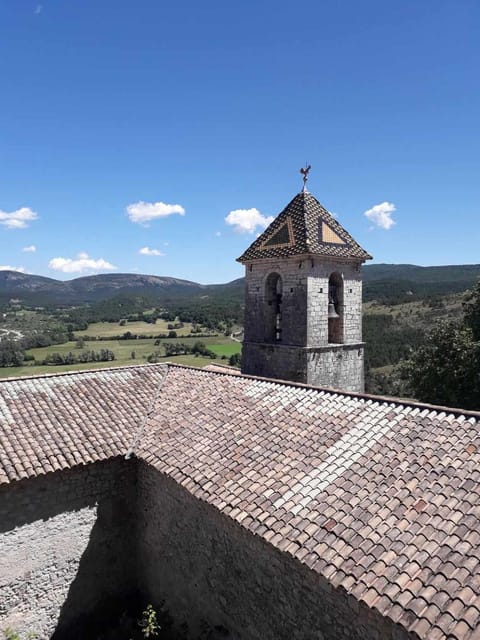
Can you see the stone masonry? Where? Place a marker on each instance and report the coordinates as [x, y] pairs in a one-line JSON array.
[[66, 548], [303, 299], [205, 567], [78, 547], [304, 353], [251, 508]]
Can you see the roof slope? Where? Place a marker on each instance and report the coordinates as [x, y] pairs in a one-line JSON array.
[[304, 227], [382, 498], [48, 423]]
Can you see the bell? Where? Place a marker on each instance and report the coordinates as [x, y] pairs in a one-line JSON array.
[[331, 311]]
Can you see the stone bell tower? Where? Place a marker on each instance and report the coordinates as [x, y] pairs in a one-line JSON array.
[[303, 299]]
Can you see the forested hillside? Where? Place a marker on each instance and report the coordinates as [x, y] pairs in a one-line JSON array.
[[395, 283], [387, 283], [401, 304], [393, 331]]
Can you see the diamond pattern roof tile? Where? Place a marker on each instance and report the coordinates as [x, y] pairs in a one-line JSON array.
[[304, 227]]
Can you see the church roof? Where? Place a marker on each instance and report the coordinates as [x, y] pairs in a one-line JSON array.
[[304, 227], [54, 422], [379, 497]]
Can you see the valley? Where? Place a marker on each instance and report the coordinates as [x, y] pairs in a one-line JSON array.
[[121, 319]]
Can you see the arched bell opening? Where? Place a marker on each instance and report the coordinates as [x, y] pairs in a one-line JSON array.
[[335, 308], [273, 308]]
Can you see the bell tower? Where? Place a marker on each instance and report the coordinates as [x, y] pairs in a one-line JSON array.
[[303, 299]]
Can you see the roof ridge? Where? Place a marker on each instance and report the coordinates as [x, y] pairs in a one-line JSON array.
[[148, 414], [350, 394], [59, 374], [308, 239]]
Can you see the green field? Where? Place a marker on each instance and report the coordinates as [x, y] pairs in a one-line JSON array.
[[108, 329], [228, 350], [122, 349]]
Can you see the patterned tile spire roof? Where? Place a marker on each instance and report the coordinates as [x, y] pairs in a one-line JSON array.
[[304, 227]]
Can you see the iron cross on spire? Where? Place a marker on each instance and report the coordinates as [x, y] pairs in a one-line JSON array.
[[305, 171]]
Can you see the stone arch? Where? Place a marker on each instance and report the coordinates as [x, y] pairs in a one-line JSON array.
[[335, 299], [273, 307]]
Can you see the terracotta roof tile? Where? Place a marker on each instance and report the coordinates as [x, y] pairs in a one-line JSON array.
[[49, 423], [380, 497], [352, 476]]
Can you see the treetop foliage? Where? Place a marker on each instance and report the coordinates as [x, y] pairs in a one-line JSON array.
[[471, 309], [445, 370]]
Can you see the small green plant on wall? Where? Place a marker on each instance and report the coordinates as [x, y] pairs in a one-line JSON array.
[[11, 634], [149, 623]]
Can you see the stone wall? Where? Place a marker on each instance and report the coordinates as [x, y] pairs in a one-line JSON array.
[[65, 548], [304, 323], [337, 366], [294, 301], [274, 361], [350, 309], [74, 544], [206, 568]]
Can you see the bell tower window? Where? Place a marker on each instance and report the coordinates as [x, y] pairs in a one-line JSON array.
[[335, 308], [273, 308]]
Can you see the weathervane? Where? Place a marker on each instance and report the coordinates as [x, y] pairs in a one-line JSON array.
[[305, 171]]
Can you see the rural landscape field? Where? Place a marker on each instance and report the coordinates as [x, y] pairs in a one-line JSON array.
[[146, 347], [49, 326]]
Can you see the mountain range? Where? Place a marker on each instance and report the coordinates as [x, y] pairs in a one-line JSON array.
[[385, 282]]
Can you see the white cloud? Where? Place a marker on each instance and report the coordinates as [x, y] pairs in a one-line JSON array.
[[381, 215], [38, 9], [7, 267], [142, 212], [18, 219], [146, 251], [82, 262], [247, 220], [30, 249]]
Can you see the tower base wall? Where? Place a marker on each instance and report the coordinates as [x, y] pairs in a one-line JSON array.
[[274, 361], [337, 366]]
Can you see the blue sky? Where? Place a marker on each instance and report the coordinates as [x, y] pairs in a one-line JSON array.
[[142, 125]]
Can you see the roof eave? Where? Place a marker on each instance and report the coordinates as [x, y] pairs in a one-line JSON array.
[[307, 255]]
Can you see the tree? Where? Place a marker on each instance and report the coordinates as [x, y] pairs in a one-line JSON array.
[[11, 353], [446, 368], [199, 347], [235, 360], [471, 310]]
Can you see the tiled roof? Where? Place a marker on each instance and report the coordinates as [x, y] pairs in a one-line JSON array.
[[48, 423], [304, 227], [222, 368], [380, 497]]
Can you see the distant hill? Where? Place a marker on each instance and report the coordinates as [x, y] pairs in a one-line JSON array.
[[384, 282], [39, 290], [401, 282]]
